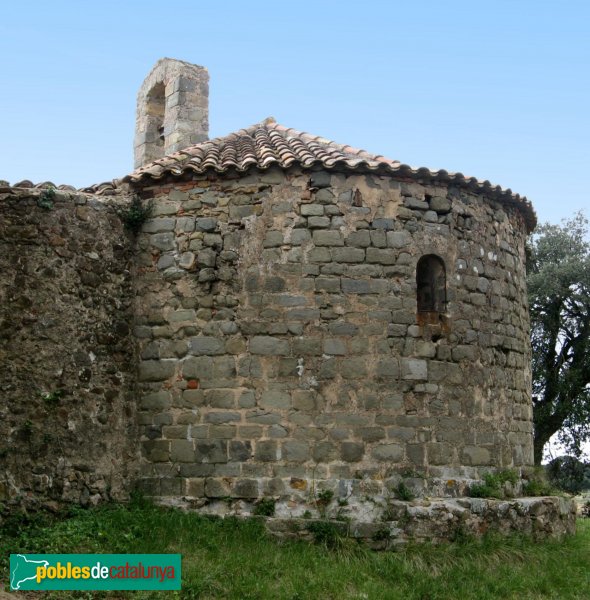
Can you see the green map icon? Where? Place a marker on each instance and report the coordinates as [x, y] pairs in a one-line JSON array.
[[23, 569]]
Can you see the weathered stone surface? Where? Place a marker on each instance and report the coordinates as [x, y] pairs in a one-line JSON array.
[[269, 346], [203, 345]]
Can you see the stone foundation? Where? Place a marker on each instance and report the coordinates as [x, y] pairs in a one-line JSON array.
[[434, 520]]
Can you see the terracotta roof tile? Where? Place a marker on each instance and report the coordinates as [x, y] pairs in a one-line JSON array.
[[268, 143]]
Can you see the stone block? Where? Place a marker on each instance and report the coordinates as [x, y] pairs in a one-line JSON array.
[[342, 328], [388, 369], [383, 224], [319, 255], [334, 346], [239, 451], [398, 239], [353, 368], [163, 241], [269, 346], [266, 451], [464, 352], [476, 456], [272, 239], [156, 370], [222, 417], [307, 346], [388, 452], [415, 203], [206, 258], [156, 401], [413, 369], [245, 488], [275, 399], [370, 434], [195, 487], [327, 284], [303, 314], [318, 222], [312, 210], [381, 256], [439, 453], [440, 205], [217, 487], [325, 452], [157, 450], [274, 487], [205, 224], [299, 237], [187, 260], [320, 179], [182, 451], [171, 486], [211, 451], [304, 400], [359, 239], [158, 225], [348, 255], [220, 398], [356, 286], [328, 238], [352, 451], [295, 451], [206, 346]]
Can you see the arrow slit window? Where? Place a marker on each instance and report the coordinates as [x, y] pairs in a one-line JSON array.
[[431, 286]]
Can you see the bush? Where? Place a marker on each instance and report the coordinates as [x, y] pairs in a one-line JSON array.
[[494, 484], [135, 215]]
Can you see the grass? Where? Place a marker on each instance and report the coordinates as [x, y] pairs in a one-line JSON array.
[[235, 559]]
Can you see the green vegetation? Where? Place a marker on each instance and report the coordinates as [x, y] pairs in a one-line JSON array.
[[536, 484], [265, 508], [52, 398], [135, 215], [231, 558], [558, 281], [494, 484], [46, 198], [403, 492]]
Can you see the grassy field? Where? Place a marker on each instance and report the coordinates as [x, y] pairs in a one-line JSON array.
[[233, 559]]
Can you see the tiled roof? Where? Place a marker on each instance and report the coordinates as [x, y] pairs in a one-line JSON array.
[[108, 188], [268, 143]]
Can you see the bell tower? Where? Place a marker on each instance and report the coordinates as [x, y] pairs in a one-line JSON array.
[[172, 110]]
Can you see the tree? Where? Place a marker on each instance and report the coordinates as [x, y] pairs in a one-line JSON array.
[[558, 278]]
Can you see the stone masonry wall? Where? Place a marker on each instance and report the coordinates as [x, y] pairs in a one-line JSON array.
[[280, 348], [68, 367]]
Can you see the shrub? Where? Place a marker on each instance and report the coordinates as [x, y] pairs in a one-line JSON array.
[[265, 508], [135, 215], [494, 484]]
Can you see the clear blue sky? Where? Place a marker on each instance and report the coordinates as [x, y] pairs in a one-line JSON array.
[[499, 90]]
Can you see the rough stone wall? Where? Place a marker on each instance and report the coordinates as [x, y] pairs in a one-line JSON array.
[[280, 348], [66, 352]]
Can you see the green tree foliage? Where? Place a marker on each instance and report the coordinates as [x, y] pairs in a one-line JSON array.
[[559, 297]]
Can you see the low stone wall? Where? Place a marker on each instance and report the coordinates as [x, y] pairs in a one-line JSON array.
[[439, 520], [66, 353]]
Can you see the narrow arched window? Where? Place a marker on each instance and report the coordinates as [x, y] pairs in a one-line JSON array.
[[431, 284], [155, 111]]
